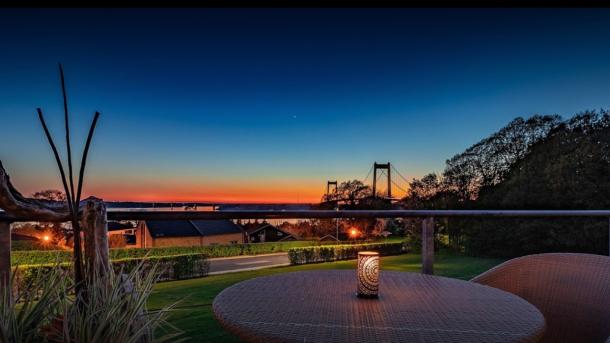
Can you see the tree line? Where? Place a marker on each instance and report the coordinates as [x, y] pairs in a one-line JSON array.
[[543, 162]]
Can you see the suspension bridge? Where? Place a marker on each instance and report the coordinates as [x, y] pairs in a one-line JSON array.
[[391, 189]]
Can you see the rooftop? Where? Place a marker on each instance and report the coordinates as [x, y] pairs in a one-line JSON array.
[[191, 228]]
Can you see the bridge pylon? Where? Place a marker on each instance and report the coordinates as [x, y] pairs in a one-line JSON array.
[[382, 166]]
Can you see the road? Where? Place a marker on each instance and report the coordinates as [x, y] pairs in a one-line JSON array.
[[224, 265]]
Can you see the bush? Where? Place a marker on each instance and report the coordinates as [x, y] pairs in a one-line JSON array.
[[26, 309], [329, 253], [114, 309]]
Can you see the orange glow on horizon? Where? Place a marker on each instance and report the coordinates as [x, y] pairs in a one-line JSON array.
[[146, 187], [279, 193]]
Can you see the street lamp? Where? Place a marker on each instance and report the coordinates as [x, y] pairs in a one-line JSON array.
[[353, 233], [337, 222]]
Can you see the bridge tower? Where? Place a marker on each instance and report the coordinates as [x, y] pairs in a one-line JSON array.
[[387, 168], [328, 185]]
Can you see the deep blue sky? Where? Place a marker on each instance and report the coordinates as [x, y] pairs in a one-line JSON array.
[[266, 104]]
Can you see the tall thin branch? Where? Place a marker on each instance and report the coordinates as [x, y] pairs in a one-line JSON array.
[[57, 159], [65, 98], [78, 266], [72, 199], [84, 159]]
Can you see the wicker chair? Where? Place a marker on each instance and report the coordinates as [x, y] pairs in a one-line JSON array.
[[571, 290]]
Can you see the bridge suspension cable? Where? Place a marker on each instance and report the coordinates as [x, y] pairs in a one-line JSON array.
[[367, 175], [398, 186], [399, 174]]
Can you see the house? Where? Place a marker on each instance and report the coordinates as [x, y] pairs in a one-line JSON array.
[[264, 232], [186, 233], [180, 233]]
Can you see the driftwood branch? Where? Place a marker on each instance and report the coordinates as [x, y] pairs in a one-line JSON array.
[[91, 215], [18, 206]]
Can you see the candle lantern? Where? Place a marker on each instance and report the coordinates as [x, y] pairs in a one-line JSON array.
[[368, 274]]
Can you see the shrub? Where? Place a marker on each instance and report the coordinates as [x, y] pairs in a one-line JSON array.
[[329, 253], [26, 310], [113, 308], [41, 305]]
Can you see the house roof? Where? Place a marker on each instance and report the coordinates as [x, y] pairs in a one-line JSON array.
[[251, 228], [255, 226], [190, 228], [171, 228], [328, 238], [216, 227], [115, 226]]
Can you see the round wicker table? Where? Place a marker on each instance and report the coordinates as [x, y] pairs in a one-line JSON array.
[[322, 306]]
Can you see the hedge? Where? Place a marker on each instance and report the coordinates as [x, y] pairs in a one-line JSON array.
[[176, 267], [329, 253], [35, 257], [19, 245]]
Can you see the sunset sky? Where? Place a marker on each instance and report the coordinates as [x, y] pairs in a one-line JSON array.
[[266, 105]]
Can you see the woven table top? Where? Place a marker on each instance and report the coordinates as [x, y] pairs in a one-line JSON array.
[[321, 306]]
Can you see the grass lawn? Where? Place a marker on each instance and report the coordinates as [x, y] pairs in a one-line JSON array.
[[194, 314]]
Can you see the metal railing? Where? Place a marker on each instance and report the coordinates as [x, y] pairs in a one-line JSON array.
[[427, 215], [122, 214]]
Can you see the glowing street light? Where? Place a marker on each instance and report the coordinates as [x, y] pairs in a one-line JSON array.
[[353, 233]]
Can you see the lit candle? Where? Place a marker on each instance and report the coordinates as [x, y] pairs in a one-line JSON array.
[[368, 274]]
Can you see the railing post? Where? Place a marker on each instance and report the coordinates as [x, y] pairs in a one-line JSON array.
[[427, 241], [5, 253]]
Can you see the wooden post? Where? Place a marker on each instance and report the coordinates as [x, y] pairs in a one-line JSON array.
[[427, 241], [95, 227], [5, 254]]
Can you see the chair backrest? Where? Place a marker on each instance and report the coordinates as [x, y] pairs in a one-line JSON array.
[[571, 290]]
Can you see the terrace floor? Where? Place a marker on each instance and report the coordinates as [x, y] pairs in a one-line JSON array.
[[194, 314]]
